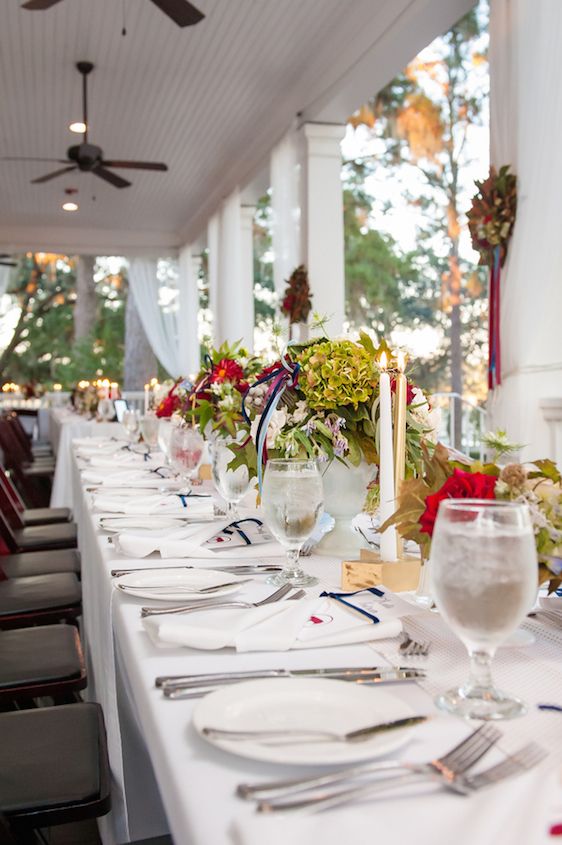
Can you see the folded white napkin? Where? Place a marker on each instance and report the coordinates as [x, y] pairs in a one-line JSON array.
[[152, 503], [128, 478], [187, 542], [309, 623], [123, 460]]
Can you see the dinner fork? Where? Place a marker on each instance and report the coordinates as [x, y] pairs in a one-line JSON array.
[[458, 760], [199, 605], [411, 648], [523, 760]]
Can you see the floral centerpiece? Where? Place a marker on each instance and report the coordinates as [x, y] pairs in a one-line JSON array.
[[169, 396], [214, 402], [537, 484], [321, 400]]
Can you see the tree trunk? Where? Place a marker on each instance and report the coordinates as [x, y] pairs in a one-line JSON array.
[[85, 309], [140, 360]]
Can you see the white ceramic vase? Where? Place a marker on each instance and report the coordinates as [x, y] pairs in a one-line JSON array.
[[345, 489]]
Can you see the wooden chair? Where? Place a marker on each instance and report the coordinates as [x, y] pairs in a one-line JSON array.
[[31, 516], [39, 600], [36, 538]]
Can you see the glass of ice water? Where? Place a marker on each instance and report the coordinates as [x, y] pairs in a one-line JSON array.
[[131, 424], [149, 426], [232, 484], [484, 580], [292, 500], [186, 451]]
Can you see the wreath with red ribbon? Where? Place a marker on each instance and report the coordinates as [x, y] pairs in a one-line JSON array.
[[490, 220]]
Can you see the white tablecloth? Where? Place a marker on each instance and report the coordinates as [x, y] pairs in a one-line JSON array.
[[152, 742], [64, 426]]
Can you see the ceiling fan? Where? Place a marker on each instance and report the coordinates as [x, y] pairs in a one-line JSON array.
[[180, 11], [3, 263], [88, 157]]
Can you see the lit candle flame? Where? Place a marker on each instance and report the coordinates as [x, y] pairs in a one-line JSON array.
[[383, 363], [401, 362]]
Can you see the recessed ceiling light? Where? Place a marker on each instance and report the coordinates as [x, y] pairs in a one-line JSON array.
[[70, 206], [78, 127]]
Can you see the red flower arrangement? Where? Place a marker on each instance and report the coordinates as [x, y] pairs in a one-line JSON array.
[[297, 299], [228, 370], [410, 395], [460, 485], [170, 403]]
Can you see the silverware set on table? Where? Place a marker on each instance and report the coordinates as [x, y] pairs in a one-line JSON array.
[[452, 771]]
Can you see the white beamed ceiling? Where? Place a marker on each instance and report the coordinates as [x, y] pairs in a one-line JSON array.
[[209, 100]]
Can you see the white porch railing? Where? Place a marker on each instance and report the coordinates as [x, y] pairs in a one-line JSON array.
[[473, 423]]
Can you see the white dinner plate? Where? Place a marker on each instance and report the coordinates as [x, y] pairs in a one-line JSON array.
[[182, 585], [303, 704], [147, 524]]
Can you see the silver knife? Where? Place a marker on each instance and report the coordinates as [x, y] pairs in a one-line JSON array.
[[284, 735], [248, 569], [181, 588], [218, 677]]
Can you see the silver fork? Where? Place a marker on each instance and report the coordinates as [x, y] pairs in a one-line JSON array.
[[459, 759], [527, 757], [200, 605], [411, 648]]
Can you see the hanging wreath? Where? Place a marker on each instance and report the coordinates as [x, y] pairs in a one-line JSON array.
[[490, 220], [297, 299]]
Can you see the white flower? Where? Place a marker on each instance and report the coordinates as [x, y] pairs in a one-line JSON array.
[[430, 419], [276, 424], [301, 412]]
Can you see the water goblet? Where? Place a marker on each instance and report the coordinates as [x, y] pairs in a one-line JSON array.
[[293, 501], [232, 484], [165, 430], [186, 451], [131, 423], [106, 410], [149, 426], [484, 581]]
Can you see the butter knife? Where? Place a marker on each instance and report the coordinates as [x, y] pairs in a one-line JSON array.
[[246, 569], [290, 736]]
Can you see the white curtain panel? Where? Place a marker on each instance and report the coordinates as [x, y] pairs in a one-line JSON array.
[[285, 208], [160, 315], [526, 123]]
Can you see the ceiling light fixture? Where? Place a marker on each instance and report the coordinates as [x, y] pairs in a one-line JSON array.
[[70, 206], [78, 127]]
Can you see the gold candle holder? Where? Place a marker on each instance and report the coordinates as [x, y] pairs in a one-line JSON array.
[[400, 404]]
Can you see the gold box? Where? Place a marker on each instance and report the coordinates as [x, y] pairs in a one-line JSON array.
[[371, 571]]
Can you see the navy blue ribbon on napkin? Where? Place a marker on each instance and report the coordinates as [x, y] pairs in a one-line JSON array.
[[236, 526], [341, 597], [183, 497]]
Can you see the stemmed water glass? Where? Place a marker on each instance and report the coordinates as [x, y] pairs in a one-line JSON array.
[[293, 501], [186, 451], [165, 430], [232, 484], [131, 424], [149, 425], [106, 410], [484, 580]]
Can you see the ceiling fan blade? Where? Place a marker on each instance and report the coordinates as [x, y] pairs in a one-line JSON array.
[[39, 5], [54, 175], [27, 158], [113, 178], [136, 165], [180, 11]]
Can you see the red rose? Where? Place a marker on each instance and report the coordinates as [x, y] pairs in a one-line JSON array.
[[168, 406], [461, 485], [227, 370], [409, 390]]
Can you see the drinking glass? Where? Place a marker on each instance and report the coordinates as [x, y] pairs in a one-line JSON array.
[[292, 500], [165, 430], [231, 484], [106, 410], [149, 425], [484, 580], [186, 451], [131, 422]]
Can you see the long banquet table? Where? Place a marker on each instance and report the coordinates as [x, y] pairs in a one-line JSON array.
[[166, 776]]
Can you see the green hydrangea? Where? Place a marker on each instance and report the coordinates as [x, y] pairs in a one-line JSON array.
[[336, 373]]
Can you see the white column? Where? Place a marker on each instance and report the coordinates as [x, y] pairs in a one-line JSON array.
[[213, 232], [247, 213], [322, 243], [526, 121], [285, 169], [188, 340]]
